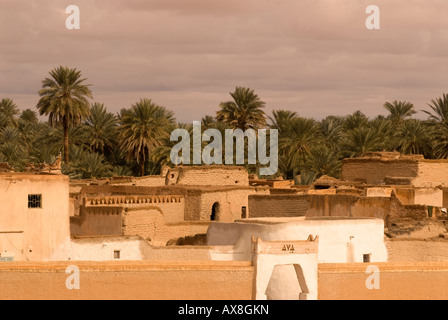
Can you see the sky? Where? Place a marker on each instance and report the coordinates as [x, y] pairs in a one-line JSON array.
[[314, 57]]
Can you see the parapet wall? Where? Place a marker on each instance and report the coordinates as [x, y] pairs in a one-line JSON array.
[[397, 281], [137, 280]]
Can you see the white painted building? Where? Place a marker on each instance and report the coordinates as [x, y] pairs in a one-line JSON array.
[[341, 240]]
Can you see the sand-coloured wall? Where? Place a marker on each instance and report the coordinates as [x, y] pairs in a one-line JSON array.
[[208, 176], [417, 250], [397, 281], [375, 171], [33, 233], [150, 224], [278, 205], [334, 205], [419, 172], [204, 280]]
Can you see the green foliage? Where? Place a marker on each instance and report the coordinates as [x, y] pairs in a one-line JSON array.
[[136, 140], [244, 112]]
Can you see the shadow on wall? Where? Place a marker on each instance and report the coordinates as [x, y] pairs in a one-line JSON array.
[[287, 282]]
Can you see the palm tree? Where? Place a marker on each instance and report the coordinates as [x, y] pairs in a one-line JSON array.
[[281, 119], [323, 161], [143, 128], [296, 142], [332, 132], [362, 140], [64, 99], [355, 120], [100, 128], [414, 137], [399, 110], [440, 108], [245, 112], [8, 113], [28, 116]]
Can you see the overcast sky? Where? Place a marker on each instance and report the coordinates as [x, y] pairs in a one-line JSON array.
[[315, 57]]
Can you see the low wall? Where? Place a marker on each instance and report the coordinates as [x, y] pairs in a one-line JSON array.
[[417, 250], [397, 281], [204, 280]]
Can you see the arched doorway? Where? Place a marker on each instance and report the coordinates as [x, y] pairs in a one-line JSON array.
[[216, 210]]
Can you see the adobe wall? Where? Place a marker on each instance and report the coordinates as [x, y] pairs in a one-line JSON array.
[[137, 280], [338, 205], [372, 207], [327, 205], [429, 197], [432, 173], [208, 175], [278, 205], [199, 202], [171, 205], [230, 204], [401, 250], [146, 181], [33, 233], [398, 281], [375, 171], [150, 224], [97, 221]]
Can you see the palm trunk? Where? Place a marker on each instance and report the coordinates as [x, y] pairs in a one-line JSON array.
[[142, 166], [66, 143]]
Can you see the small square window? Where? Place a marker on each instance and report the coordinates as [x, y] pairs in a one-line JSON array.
[[34, 201], [366, 258], [117, 254]]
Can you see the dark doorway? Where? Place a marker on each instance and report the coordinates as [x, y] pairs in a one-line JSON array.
[[215, 212]]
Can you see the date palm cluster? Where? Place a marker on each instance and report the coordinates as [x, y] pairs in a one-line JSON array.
[[136, 141]]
